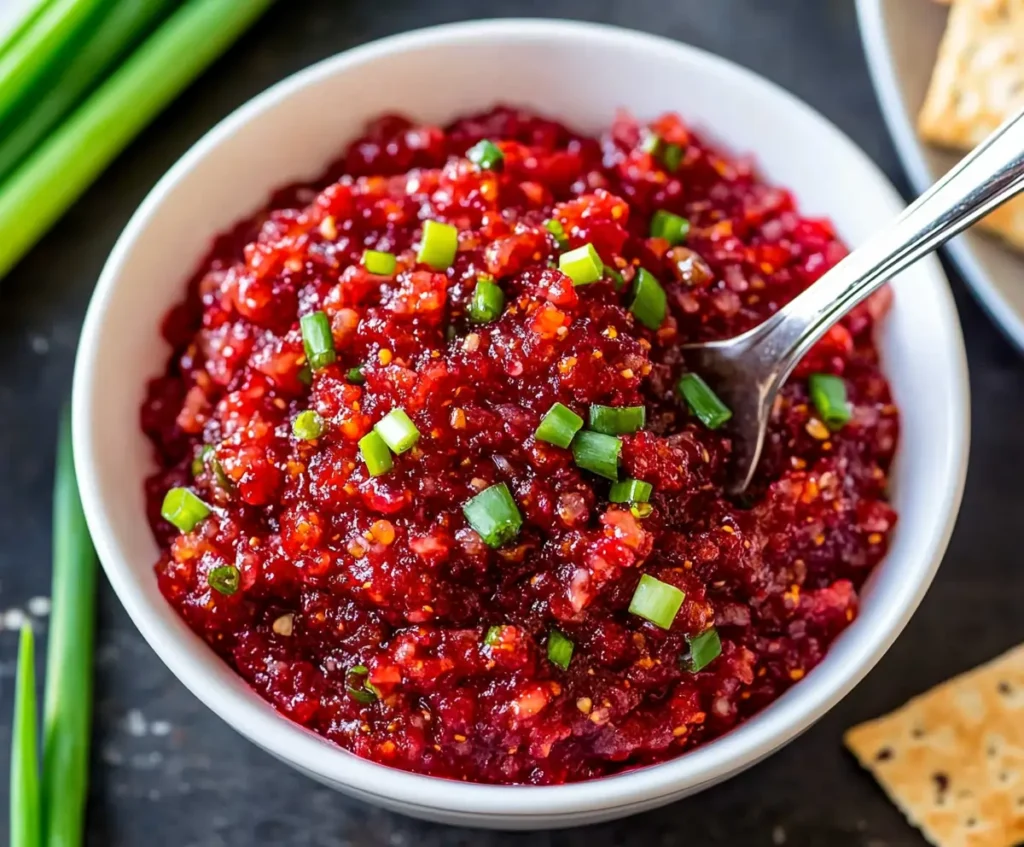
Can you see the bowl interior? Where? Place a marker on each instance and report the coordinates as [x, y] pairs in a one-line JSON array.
[[581, 74], [901, 39]]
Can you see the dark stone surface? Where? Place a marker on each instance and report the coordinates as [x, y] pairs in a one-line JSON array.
[[167, 772]]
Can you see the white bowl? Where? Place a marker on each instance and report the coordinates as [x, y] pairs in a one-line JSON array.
[[901, 41], [581, 73]]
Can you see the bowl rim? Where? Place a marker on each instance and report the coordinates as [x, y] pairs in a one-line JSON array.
[[885, 80], [708, 763]]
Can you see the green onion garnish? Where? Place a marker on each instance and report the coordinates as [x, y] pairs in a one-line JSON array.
[[183, 509], [672, 228], [493, 636], [704, 649], [307, 426], [630, 491], [375, 454], [359, 687], [703, 402], [672, 157], [558, 232], [494, 515], [649, 301], [305, 375], [616, 420], [317, 340], [650, 143], [355, 375], [67, 710], [582, 265], [224, 579], [486, 155], [829, 395], [656, 601], [617, 278], [597, 453], [559, 426], [397, 430], [24, 788], [488, 302], [439, 245], [560, 649], [379, 263], [199, 462]]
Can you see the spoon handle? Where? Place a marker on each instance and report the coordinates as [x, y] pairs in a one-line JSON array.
[[989, 175]]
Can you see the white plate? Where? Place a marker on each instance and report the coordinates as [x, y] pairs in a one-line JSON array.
[[901, 40]]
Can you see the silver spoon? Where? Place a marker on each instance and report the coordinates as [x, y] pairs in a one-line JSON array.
[[747, 371]]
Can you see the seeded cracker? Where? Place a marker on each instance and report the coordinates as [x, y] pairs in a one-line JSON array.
[[978, 82], [952, 759]]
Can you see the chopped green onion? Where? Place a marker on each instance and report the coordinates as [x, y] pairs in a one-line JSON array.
[[397, 430], [650, 143], [67, 710], [559, 426], [317, 340], [307, 426], [582, 265], [305, 375], [649, 301], [488, 302], [641, 510], [829, 395], [672, 228], [672, 157], [365, 692], [598, 453], [558, 231], [24, 788], [355, 375], [703, 402], [560, 649], [656, 601], [630, 491], [439, 245], [359, 670], [379, 263], [486, 155], [617, 278], [183, 509], [375, 454], [616, 420], [704, 649], [199, 462], [494, 515], [493, 636], [224, 579]]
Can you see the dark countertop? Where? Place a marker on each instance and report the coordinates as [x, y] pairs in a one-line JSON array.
[[167, 772]]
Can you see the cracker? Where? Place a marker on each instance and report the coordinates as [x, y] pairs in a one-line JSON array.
[[978, 79], [952, 759]]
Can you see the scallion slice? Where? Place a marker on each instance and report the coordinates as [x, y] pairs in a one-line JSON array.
[[355, 375], [375, 454], [558, 232], [649, 300], [493, 636], [703, 402], [616, 420], [560, 649], [486, 155], [359, 686], [397, 430], [224, 579], [439, 245], [317, 340], [379, 263], [630, 491], [672, 228], [488, 302], [582, 265], [829, 395], [494, 515], [656, 601], [559, 426], [704, 649], [183, 509], [616, 277], [672, 157], [597, 453], [650, 143], [307, 426]]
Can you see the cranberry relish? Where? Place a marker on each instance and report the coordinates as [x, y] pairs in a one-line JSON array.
[[366, 607]]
